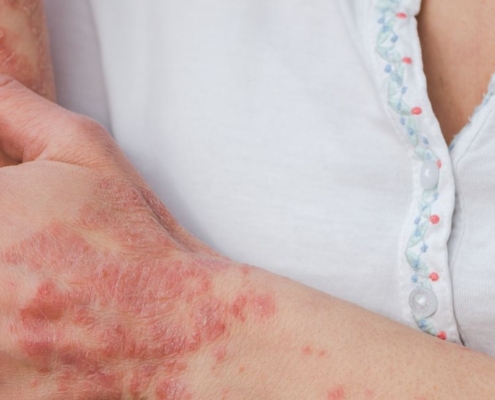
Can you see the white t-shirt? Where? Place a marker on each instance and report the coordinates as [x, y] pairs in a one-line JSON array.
[[298, 136]]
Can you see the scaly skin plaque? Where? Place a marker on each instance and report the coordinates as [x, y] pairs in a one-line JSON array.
[[122, 317]]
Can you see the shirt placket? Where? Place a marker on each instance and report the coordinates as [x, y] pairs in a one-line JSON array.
[[425, 288]]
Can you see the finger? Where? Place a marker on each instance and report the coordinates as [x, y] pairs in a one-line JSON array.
[[32, 128]]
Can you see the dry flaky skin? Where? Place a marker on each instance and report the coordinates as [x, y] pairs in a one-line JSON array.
[[112, 303], [103, 296], [144, 299], [156, 310], [24, 49]]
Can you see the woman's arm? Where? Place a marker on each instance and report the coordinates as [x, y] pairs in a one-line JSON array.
[[104, 296], [24, 52], [191, 327]]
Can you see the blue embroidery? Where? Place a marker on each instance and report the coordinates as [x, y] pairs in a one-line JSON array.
[[386, 42]]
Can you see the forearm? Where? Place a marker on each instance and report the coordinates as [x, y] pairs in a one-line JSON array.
[[145, 313], [104, 296], [307, 345], [24, 52]]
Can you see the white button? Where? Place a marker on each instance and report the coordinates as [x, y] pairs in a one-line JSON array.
[[429, 174], [423, 302]]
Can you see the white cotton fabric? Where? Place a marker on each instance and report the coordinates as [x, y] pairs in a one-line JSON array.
[[265, 127]]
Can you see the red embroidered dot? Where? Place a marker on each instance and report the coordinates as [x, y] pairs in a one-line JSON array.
[[442, 335], [434, 219], [416, 111], [439, 164], [401, 15], [434, 276], [407, 60]]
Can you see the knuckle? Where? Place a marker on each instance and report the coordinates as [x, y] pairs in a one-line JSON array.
[[86, 126], [86, 130], [92, 139]]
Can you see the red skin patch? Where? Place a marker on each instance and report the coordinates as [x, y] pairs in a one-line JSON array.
[[106, 304], [141, 379], [336, 394], [220, 353], [264, 305], [306, 350], [261, 306], [132, 298], [172, 389], [238, 307], [209, 318], [48, 304]]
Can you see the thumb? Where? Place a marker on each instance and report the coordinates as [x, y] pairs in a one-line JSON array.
[[33, 128]]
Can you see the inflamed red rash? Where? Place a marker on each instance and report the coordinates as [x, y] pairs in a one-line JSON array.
[[106, 319], [309, 351], [172, 389], [24, 50], [137, 219], [337, 393]]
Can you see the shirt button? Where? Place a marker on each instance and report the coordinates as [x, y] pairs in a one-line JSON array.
[[429, 174], [423, 302]]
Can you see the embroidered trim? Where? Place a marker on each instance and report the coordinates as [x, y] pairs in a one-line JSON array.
[[396, 67]]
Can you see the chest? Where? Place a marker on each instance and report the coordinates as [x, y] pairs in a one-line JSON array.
[[267, 139], [458, 56]]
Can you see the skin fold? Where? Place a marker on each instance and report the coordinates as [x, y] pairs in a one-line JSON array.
[[104, 296]]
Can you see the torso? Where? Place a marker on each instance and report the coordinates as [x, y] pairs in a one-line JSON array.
[[459, 57]]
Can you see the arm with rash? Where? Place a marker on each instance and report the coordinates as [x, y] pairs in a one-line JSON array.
[[104, 296]]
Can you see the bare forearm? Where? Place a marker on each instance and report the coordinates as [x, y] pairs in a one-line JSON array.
[[24, 52], [307, 345], [104, 296], [154, 315]]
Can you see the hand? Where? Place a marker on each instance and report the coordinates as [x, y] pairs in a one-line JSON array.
[[104, 295]]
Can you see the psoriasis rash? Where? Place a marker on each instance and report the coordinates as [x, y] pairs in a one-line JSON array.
[[92, 306], [220, 353], [336, 393]]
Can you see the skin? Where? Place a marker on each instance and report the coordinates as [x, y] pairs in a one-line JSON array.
[[104, 296], [458, 62], [24, 52]]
